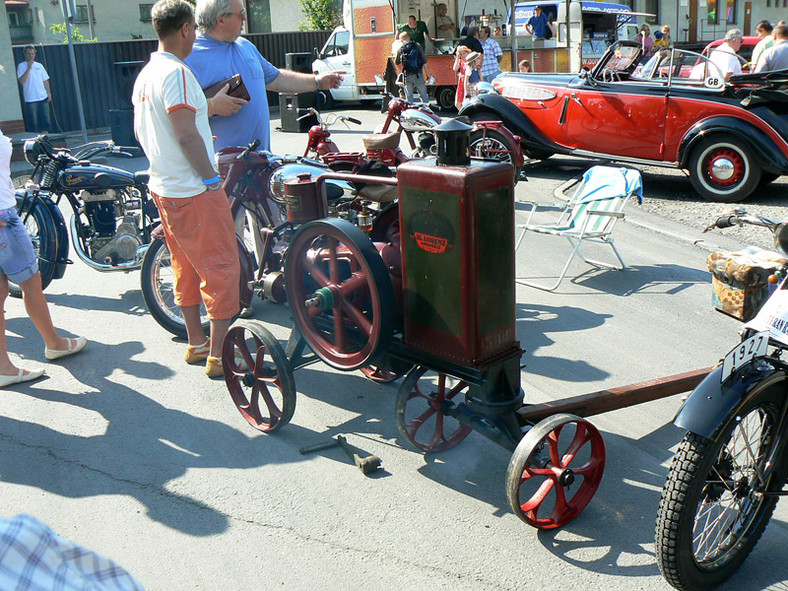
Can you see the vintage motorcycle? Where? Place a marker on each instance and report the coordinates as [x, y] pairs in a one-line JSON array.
[[255, 184], [731, 467], [489, 139], [113, 214]]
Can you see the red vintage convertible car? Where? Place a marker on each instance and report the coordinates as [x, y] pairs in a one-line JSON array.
[[673, 110]]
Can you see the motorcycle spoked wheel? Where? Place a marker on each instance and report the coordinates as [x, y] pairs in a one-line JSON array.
[[157, 281], [493, 145], [42, 231], [711, 513]]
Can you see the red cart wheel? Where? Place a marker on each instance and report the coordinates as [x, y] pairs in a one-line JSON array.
[[266, 376], [340, 292], [556, 467], [418, 410]]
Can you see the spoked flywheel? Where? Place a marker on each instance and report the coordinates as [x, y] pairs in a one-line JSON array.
[[555, 471], [340, 292], [419, 409], [258, 375]]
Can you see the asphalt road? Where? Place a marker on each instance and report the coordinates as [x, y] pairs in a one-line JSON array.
[[133, 453]]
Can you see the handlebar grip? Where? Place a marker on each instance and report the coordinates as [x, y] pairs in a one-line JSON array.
[[131, 151], [353, 120], [725, 222]]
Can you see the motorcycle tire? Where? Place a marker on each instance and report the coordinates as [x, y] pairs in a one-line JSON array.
[[43, 233], [158, 290], [483, 140], [710, 480]]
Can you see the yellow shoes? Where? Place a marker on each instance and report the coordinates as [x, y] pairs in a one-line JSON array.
[[197, 353], [213, 366]]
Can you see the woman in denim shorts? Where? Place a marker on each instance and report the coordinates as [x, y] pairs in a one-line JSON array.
[[18, 263]]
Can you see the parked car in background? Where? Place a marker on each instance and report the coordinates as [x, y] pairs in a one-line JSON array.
[[673, 110]]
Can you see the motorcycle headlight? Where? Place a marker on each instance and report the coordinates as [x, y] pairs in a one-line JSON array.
[[32, 150]]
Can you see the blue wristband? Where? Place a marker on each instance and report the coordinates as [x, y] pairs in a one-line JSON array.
[[211, 181]]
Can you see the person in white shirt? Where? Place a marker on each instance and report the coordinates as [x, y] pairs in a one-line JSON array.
[[776, 57], [764, 30], [171, 122], [725, 56], [18, 263], [35, 86]]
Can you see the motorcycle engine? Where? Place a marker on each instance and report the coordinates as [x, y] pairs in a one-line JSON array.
[[123, 247], [111, 242]]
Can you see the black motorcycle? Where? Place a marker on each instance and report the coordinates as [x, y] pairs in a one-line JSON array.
[[113, 215], [732, 465]]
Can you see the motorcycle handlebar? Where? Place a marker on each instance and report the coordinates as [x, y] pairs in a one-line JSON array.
[[353, 120], [250, 148], [725, 222]]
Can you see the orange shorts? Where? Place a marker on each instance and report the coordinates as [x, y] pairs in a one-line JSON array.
[[200, 235]]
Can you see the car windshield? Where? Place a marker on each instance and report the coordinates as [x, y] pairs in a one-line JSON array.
[[622, 58]]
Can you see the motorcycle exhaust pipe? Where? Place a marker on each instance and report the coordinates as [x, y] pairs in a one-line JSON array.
[[104, 267]]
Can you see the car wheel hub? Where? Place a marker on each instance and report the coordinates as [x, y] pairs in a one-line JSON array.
[[725, 167]]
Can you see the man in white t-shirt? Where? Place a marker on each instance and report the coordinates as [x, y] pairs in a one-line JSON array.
[[35, 86], [171, 122], [725, 57]]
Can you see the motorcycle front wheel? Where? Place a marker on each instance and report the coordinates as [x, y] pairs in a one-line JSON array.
[[712, 510], [493, 145], [158, 290], [43, 234]]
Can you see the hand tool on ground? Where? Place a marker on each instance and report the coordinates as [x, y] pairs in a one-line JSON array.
[[367, 464]]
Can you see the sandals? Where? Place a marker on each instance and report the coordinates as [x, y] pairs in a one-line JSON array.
[[74, 346], [214, 370], [197, 353]]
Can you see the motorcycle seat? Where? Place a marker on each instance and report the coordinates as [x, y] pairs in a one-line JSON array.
[[142, 177]]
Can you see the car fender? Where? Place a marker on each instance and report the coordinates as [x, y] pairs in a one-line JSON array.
[[765, 149], [707, 407], [512, 117]]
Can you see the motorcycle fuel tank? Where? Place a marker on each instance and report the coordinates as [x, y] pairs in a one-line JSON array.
[[92, 177]]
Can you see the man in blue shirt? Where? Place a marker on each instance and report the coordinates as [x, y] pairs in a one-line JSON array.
[[220, 52], [539, 24]]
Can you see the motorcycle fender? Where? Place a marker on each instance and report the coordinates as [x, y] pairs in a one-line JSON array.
[[769, 155], [502, 108], [711, 402], [62, 236], [247, 273]]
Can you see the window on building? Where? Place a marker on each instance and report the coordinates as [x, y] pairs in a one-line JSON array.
[[722, 11], [13, 19], [145, 12], [652, 7], [259, 16], [81, 16]]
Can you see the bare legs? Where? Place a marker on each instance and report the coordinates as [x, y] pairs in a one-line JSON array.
[[38, 311]]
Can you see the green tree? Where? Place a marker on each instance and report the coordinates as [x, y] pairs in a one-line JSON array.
[[60, 29], [321, 15]]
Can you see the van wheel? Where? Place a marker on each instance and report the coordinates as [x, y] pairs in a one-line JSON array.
[[444, 96]]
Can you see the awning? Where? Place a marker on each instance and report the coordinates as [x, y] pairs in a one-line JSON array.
[[16, 2]]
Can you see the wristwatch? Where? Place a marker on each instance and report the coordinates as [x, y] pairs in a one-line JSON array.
[[214, 186]]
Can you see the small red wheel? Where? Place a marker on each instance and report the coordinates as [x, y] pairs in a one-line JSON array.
[[556, 467], [418, 410], [340, 293], [264, 376]]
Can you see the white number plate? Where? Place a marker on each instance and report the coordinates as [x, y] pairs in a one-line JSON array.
[[742, 354]]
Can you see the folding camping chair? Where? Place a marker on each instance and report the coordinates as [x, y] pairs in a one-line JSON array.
[[590, 215]]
